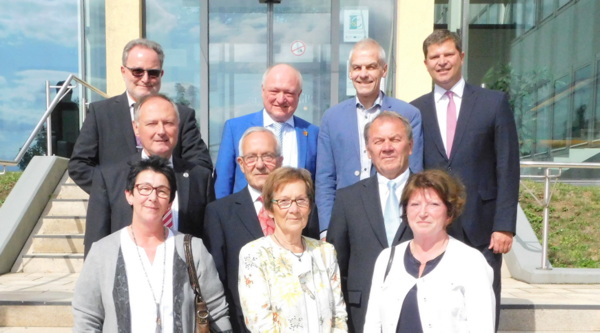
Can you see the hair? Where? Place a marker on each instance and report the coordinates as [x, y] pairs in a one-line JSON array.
[[283, 176], [365, 44], [146, 43], [391, 115], [156, 164], [138, 106], [450, 190], [268, 70], [257, 129], [440, 36]]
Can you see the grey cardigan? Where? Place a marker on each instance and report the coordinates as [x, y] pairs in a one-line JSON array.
[[101, 298]]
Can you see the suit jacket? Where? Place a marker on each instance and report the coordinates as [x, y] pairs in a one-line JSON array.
[[357, 231], [229, 224], [107, 137], [228, 176], [108, 210], [338, 158], [485, 156]]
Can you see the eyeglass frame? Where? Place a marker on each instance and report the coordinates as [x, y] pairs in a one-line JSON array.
[[155, 188], [278, 202], [269, 155], [141, 72]]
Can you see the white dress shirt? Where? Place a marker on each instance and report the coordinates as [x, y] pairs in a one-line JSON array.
[[363, 117], [441, 104], [289, 146], [384, 191]]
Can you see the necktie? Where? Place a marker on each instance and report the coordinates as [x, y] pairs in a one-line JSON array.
[[278, 127], [450, 122], [391, 215], [168, 219], [266, 222]]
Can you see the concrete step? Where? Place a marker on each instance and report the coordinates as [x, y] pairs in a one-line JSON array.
[[51, 263], [58, 225], [56, 243], [70, 191], [550, 318], [66, 207], [36, 315], [36, 329]]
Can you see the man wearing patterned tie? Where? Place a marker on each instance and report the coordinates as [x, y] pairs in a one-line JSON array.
[[366, 216], [237, 219], [281, 89], [470, 132], [157, 126]]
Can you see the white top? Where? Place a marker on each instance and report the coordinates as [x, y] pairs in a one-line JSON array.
[[141, 302], [289, 146], [441, 104], [363, 117], [254, 194]]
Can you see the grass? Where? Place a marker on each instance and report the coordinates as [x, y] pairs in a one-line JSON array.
[[574, 228], [7, 182]]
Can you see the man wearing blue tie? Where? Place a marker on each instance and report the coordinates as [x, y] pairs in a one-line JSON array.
[[281, 89]]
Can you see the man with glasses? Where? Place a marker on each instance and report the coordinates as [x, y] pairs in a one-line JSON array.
[[237, 219], [281, 89], [157, 126], [107, 134]]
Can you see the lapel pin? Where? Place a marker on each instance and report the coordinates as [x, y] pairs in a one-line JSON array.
[[185, 174], [305, 133]]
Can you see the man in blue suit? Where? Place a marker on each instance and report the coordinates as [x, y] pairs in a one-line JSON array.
[[281, 89], [342, 158], [481, 148]]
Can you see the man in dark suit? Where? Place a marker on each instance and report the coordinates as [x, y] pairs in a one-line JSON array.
[[281, 89], [470, 132], [107, 133], [341, 155], [232, 222], [157, 126], [366, 216]]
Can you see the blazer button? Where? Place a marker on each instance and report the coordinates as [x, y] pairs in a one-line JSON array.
[[449, 168], [357, 173]]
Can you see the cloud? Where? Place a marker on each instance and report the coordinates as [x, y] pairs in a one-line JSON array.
[[51, 21]]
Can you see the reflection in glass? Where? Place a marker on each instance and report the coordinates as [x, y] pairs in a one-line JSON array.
[[582, 100], [561, 108]]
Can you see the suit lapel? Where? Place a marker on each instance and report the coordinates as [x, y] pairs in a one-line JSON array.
[[431, 123], [257, 120], [122, 121], [244, 209], [467, 107], [183, 188], [372, 206], [301, 138], [350, 130]]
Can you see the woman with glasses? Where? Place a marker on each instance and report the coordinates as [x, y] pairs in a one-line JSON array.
[[288, 282], [136, 279]]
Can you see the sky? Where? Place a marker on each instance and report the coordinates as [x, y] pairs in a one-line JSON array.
[[38, 46]]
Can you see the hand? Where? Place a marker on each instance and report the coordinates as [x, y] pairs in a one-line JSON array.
[[501, 241]]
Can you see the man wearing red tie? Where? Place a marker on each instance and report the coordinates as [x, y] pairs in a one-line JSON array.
[[237, 219], [156, 124], [470, 132]]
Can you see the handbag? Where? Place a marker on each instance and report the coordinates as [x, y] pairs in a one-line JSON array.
[[202, 325]]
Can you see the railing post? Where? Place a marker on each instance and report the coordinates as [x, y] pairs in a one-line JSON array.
[[48, 122], [546, 218]]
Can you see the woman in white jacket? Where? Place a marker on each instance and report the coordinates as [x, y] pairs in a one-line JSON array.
[[433, 283]]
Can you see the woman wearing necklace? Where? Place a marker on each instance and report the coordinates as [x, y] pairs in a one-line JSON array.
[[287, 282], [136, 280], [433, 283]]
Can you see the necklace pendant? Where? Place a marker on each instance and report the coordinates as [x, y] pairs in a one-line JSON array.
[[158, 321]]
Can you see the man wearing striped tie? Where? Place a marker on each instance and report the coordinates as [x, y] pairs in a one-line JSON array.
[[157, 126]]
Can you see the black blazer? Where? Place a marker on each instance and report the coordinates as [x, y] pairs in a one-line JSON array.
[[230, 223], [107, 137], [357, 231], [109, 211], [485, 156]]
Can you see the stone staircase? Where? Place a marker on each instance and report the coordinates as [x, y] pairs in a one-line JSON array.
[[38, 291]]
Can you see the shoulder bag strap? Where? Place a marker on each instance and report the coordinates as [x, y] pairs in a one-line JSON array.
[[201, 308]]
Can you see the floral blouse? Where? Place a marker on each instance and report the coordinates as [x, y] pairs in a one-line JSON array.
[[278, 295]]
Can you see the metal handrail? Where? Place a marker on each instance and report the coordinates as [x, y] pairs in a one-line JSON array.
[[45, 118], [547, 195]]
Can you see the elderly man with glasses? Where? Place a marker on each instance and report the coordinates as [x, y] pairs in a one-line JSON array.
[[235, 220], [107, 134]]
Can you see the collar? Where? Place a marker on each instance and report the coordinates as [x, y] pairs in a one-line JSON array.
[[400, 180], [268, 121], [377, 102], [254, 193], [457, 89], [145, 156], [130, 100]]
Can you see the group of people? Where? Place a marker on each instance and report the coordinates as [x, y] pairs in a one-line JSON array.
[[391, 216]]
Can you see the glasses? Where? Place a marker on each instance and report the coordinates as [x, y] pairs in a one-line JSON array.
[[139, 72], [147, 189], [266, 158], [287, 203]]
